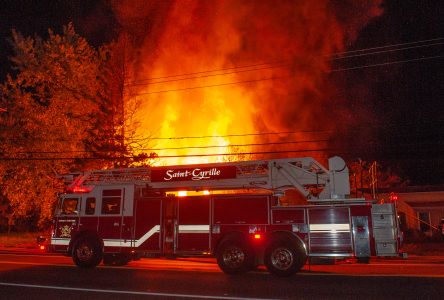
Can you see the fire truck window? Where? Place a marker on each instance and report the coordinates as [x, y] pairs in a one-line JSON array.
[[70, 206], [90, 207], [424, 218], [111, 202]]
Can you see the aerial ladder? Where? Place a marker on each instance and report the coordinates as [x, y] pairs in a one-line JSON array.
[[309, 177]]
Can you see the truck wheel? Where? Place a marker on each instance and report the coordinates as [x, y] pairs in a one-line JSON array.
[[283, 258], [87, 252], [234, 257]]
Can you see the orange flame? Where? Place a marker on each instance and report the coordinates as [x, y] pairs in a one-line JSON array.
[[268, 63]]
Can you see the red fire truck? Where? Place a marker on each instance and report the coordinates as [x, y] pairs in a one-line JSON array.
[[234, 211]]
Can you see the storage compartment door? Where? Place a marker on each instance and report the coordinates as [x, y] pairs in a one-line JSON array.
[[193, 224]]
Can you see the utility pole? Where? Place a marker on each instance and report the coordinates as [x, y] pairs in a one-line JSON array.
[[123, 89], [374, 179], [361, 166], [119, 58]]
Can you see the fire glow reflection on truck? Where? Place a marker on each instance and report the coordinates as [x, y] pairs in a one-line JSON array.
[[184, 193]]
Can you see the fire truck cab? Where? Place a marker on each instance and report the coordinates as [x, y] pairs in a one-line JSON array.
[[233, 211]]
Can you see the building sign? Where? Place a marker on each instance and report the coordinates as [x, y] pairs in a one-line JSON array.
[[192, 174]]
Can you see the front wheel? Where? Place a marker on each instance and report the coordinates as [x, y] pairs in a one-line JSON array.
[[87, 252], [234, 257], [283, 258]]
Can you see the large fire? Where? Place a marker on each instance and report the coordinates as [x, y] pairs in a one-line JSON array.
[[213, 77]]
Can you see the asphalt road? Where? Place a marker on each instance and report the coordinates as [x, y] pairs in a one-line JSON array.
[[33, 276]]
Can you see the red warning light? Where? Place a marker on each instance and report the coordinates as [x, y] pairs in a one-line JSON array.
[[257, 236], [79, 189], [42, 247], [393, 197]]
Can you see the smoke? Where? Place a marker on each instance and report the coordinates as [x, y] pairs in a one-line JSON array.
[[283, 48]]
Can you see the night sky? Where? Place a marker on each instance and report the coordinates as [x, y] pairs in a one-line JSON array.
[[399, 103], [406, 99]]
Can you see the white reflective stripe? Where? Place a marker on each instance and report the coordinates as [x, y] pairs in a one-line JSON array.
[[135, 243], [151, 232], [194, 228], [117, 243], [330, 227], [147, 235], [59, 242]]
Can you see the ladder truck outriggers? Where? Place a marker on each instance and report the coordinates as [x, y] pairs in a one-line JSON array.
[[233, 211]]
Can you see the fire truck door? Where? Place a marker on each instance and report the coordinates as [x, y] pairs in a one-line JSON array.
[[67, 221], [110, 222], [385, 229], [361, 238], [330, 231], [193, 224], [169, 225]]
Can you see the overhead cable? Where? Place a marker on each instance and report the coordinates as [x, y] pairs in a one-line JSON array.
[[173, 148], [280, 63]]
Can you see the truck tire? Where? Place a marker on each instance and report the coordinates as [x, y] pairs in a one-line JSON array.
[[235, 257], [87, 252], [284, 258]]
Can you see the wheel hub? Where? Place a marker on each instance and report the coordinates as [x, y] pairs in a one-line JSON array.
[[282, 258], [234, 257], [84, 252]]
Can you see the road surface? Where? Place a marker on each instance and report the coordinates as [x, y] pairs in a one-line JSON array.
[[34, 276]]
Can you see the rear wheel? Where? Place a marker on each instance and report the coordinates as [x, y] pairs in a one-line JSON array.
[[234, 257], [87, 252], [284, 258]]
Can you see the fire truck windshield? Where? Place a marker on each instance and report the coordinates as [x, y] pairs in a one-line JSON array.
[[69, 206]]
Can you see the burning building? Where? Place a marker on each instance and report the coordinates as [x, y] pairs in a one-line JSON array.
[[242, 77]]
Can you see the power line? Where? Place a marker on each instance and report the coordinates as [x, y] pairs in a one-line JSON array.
[[238, 145], [275, 64], [175, 148], [388, 46], [320, 131], [164, 156], [386, 51], [282, 77], [377, 147], [403, 125], [207, 136], [209, 86], [267, 66], [242, 134], [387, 63]]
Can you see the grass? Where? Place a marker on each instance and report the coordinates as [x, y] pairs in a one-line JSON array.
[[19, 239]]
